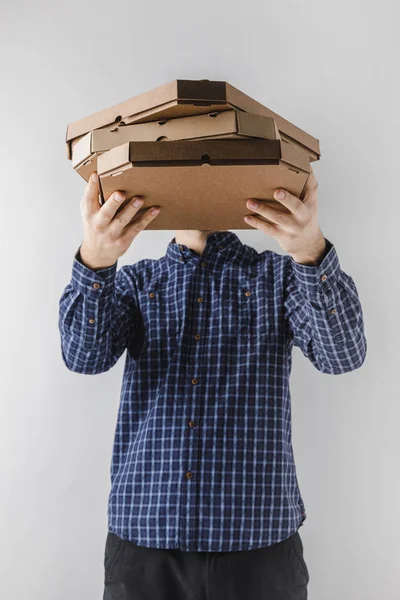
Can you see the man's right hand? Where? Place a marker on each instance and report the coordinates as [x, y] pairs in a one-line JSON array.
[[107, 236]]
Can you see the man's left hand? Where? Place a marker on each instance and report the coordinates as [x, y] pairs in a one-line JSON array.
[[296, 229]]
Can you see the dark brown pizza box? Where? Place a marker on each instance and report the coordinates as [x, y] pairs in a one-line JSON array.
[[182, 98], [230, 123], [203, 184]]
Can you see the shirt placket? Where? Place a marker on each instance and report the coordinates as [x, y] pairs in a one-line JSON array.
[[192, 415]]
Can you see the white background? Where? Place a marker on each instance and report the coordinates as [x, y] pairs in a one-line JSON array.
[[327, 67]]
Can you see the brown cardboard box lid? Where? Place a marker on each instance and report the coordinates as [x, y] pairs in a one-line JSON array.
[[180, 98], [199, 126], [198, 152], [87, 167]]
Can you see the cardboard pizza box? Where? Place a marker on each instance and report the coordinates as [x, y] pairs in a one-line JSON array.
[[213, 125], [182, 98], [202, 184]]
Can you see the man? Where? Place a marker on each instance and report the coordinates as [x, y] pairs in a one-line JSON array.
[[204, 499]]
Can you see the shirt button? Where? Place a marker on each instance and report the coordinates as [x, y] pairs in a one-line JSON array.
[[96, 286], [324, 277], [189, 475], [192, 424], [333, 311], [197, 336], [203, 264], [180, 247], [194, 381], [91, 321], [200, 299], [248, 294], [152, 294], [181, 259]]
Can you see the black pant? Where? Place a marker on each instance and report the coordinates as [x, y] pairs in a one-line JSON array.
[[133, 572]]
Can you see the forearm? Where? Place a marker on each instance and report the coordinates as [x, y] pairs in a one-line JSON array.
[[326, 315], [89, 322]]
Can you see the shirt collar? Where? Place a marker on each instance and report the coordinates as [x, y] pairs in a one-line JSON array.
[[220, 242]]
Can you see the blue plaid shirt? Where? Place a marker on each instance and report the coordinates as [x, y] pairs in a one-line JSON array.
[[202, 456]]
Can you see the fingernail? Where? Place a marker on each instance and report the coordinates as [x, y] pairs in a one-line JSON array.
[[94, 177], [253, 204], [137, 202], [280, 194], [155, 211], [119, 197]]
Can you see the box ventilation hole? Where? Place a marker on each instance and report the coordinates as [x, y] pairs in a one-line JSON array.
[[162, 122], [213, 114], [162, 138]]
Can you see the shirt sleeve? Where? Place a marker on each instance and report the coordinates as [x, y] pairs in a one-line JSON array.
[[324, 314], [98, 317]]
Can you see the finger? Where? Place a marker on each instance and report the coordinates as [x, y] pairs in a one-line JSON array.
[[125, 216], [292, 203], [109, 208], [137, 225], [310, 191], [90, 199], [279, 217], [268, 228]]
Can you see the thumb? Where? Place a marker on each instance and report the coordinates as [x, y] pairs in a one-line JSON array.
[[90, 198], [310, 191]]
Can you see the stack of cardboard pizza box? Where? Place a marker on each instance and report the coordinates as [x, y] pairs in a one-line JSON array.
[[199, 149]]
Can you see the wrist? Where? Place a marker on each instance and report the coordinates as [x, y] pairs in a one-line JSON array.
[[313, 255], [93, 261]]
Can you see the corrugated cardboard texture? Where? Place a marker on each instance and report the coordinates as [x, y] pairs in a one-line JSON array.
[[218, 124], [203, 197], [198, 152], [182, 98]]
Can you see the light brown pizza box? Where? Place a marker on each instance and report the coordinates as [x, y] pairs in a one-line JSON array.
[[230, 123], [182, 98], [202, 184]]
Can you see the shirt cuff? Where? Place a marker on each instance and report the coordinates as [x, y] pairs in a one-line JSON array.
[[314, 279], [92, 282]]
